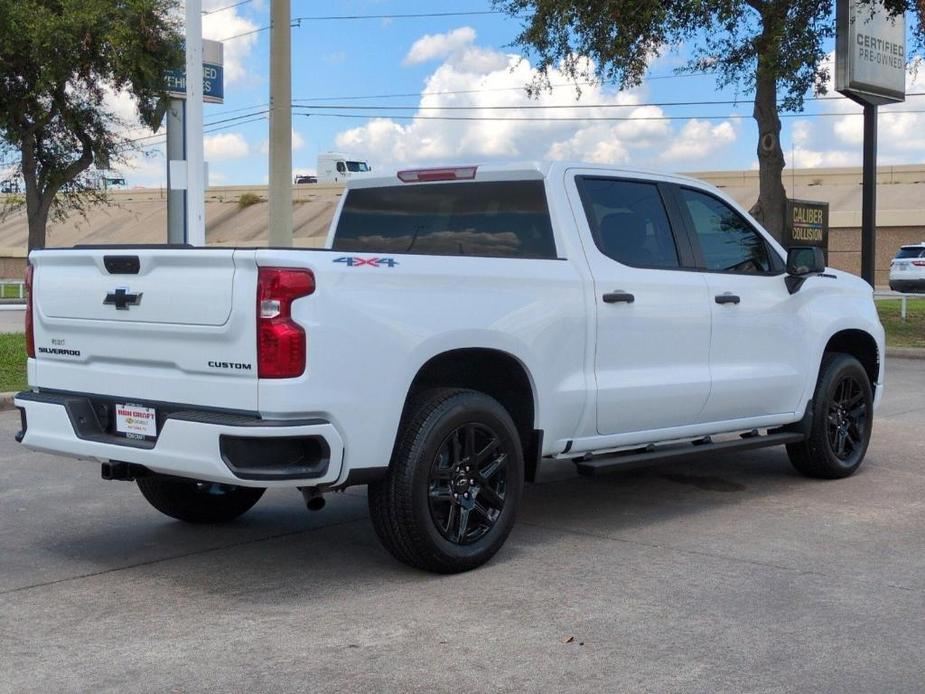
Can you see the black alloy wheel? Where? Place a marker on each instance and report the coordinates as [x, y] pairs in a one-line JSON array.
[[842, 420], [468, 482], [450, 497], [847, 418]]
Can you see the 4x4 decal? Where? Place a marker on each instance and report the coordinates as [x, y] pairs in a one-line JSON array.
[[356, 261]]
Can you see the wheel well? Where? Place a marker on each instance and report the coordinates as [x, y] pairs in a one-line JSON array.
[[495, 373], [861, 346]]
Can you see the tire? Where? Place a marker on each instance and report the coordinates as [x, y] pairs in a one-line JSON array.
[[842, 420], [197, 502], [444, 433]]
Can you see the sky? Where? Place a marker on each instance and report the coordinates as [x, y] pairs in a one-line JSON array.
[[363, 71]]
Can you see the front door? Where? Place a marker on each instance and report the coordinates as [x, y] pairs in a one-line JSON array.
[[652, 316], [757, 351]]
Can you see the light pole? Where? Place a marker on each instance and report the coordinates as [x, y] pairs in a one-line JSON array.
[[280, 165], [195, 157]]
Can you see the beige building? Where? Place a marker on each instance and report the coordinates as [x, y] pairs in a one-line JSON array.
[[140, 216]]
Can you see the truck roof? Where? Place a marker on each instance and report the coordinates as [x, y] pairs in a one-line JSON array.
[[518, 170]]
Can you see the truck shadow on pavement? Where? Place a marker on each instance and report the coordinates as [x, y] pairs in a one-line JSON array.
[[279, 551]]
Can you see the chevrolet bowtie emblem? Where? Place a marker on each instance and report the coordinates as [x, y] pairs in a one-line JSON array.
[[121, 299]]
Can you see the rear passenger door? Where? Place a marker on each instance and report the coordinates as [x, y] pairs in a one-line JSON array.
[[757, 350], [652, 316]]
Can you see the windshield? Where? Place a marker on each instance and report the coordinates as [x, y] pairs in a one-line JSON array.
[[910, 252], [357, 166]]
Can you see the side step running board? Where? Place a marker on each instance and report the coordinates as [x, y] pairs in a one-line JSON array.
[[630, 459]]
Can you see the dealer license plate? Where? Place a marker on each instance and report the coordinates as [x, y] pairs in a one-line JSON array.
[[135, 421]]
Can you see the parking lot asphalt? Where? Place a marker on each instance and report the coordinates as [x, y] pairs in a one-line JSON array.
[[726, 574]]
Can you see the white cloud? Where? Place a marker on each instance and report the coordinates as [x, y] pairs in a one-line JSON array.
[[804, 158], [475, 77], [837, 139], [225, 146], [237, 53], [698, 139], [432, 46]]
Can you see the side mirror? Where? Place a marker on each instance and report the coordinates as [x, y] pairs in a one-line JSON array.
[[805, 260]]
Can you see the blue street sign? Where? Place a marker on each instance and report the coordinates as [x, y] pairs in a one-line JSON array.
[[213, 83]]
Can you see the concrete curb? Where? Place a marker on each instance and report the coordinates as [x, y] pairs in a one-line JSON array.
[[905, 352], [6, 401]]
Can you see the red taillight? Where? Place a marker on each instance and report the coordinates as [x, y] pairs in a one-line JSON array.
[[280, 340], [30, 334], [919, 263], [449, 173]]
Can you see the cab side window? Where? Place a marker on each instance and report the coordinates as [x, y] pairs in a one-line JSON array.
[[629, 222], [727, 242], [341, 167]]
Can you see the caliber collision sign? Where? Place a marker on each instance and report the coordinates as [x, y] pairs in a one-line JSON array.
[[870, 56], [807, 224]]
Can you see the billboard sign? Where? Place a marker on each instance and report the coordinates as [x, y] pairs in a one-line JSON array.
[[870, 53], [807, 224], [213, 75]]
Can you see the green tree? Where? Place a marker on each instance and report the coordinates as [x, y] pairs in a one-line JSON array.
[[60, 58], [772, 49]]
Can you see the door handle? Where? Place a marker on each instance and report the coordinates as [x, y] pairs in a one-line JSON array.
[[727, 298], [618, 297]]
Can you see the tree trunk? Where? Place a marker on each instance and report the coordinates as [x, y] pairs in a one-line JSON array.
[[37, 217], [771, 207], [37, 207]]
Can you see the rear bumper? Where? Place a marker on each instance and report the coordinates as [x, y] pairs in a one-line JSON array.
[[907, 285], [230, 448]]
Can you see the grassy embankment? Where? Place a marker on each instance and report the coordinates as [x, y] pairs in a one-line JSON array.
[[9, 291], [899, 332], [12, 362]]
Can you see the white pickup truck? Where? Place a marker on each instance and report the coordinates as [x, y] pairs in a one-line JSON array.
[[461, 326]]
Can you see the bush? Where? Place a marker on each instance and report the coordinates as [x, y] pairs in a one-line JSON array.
[[248, 199]]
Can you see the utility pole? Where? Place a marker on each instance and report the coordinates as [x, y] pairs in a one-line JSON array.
[[280, 189], [176, 152], [869, 196], [195, 157]]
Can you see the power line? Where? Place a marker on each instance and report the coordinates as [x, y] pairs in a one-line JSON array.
[[209, 127], [528, 107], [480, 91], [573, 119], [246, 33], [226, 7], [206, 131], [410, 15], [238, 110], [297, 21]]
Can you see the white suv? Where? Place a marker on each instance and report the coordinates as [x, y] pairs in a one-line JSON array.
[[907, 269]]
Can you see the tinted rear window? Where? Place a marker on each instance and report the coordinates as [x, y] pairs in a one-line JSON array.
[[911, 252], [503, 219]]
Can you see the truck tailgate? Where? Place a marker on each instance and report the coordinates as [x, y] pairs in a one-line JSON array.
[[154, 324]]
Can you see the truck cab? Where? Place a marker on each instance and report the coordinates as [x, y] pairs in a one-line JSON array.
[[337, 167]]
